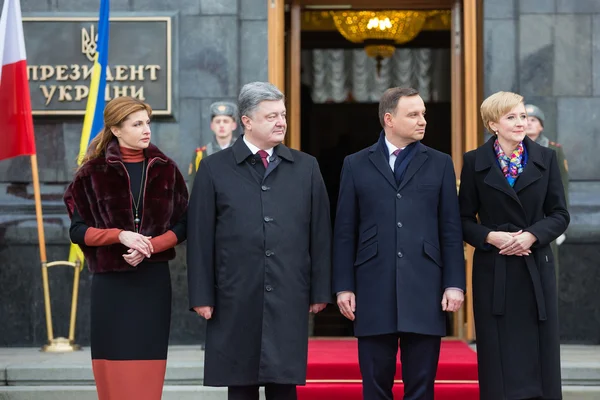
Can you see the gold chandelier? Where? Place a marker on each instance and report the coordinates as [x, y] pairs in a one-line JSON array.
[[380, 31]]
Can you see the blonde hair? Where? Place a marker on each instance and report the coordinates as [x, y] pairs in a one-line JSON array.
[[116, 111], [496, 105]]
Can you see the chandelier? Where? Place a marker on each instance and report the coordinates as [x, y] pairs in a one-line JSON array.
[[380, 31]]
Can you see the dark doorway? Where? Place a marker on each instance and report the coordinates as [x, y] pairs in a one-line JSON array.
[[334, 126]]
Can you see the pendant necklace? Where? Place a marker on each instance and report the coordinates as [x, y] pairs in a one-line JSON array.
[[136, 219]]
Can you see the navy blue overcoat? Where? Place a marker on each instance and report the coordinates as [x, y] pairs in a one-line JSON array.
[[397, 247]]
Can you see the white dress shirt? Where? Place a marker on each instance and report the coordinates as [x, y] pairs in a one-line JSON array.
[[391, 149], [255, 149]]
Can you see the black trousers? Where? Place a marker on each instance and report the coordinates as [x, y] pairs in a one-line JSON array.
[[272, 391], [377, 357]]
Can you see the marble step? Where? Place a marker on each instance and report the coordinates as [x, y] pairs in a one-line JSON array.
[[194, 392], [188, 372], [88, 392]]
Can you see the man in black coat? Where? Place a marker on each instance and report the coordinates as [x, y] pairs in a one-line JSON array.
[[259, 253], [398, 261]]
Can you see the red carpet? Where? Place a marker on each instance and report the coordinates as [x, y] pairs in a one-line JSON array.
[[333, 372]]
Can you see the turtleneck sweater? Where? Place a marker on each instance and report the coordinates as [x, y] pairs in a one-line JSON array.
[[105, 237]]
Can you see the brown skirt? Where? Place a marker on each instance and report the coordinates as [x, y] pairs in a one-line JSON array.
[[129, 380]]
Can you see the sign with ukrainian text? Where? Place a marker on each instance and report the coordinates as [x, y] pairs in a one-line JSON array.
[[61, 51]]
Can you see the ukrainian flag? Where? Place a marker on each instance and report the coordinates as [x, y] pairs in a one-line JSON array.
[[93, 121]]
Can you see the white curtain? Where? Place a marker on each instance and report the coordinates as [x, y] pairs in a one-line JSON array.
[[351, 76]]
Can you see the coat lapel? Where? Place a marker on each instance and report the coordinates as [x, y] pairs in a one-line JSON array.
[[415, 164], [242, 153], [531, 172], [378, 159], [280, 152], [486, 159]]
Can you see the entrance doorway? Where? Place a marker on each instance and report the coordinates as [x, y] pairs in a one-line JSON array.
[[333, 116]]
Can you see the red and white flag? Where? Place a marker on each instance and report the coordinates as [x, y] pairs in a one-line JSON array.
[[16, 122]]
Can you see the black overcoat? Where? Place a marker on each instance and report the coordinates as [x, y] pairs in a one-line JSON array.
[[515, 300], [397, 247], [259, 251]]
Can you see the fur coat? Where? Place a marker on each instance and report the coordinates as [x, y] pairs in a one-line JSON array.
[[100, 192]]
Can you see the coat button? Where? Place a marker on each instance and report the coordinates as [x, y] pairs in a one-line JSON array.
[[264, 188], [399, 224], [398, 195], [269, 288], [269, 253], [268, 219], [400, 255], [252, 161]]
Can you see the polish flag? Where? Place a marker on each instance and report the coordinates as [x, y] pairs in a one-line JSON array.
[[16, 122]]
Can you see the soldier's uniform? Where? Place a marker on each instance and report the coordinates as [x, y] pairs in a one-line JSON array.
[[542, 140], [562, 161], [218, 108]]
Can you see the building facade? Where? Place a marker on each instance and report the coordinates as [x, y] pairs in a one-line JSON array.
[[547, 50]]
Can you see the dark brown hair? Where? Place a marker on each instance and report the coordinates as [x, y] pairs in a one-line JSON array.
[[389, 101], [116, 111]]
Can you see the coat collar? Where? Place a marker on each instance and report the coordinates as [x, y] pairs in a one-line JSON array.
[[241, 152], [377, 156], [113, 152], [542, 140], [485, 159], [485, 156]]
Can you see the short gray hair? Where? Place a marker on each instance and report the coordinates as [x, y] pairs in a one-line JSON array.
[[254, 93]]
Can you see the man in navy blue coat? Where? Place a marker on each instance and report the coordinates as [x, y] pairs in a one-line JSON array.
[[398, 250]]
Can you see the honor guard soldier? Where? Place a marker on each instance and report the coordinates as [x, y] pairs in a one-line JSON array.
[[223, 123], [535, 127]]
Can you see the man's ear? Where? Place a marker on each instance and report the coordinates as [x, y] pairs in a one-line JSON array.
[[387, 119], [247, 123]]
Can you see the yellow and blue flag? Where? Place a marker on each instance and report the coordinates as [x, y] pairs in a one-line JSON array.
[[93, 121]]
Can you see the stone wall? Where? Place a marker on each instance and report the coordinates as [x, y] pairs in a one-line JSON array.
[[549, 51], [218, 45]]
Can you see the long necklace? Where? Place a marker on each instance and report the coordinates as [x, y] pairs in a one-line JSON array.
[[136, 205]]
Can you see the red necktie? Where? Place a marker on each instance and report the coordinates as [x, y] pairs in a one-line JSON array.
[[396, 152], [263, 156]]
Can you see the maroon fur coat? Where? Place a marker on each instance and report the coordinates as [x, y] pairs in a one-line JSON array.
[[101, 194]]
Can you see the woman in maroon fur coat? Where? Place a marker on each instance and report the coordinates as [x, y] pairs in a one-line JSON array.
[[127, 205]]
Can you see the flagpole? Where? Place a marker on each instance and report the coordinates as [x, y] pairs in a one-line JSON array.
[[54, 345], [16, 116], [42, 243]]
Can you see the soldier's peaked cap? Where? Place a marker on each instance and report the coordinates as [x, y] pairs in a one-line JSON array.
[[534, 111], [223, 108]]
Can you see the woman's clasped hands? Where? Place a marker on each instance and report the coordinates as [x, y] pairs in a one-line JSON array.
[[139, 245], [512, 243]]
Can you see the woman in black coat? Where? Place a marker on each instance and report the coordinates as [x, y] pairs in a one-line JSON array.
[[512, 205]]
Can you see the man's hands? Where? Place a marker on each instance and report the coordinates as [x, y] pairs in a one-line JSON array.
[[512, 243], [346, 301], [452, 300], [204, 311], [207, 311], [316, 308]]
